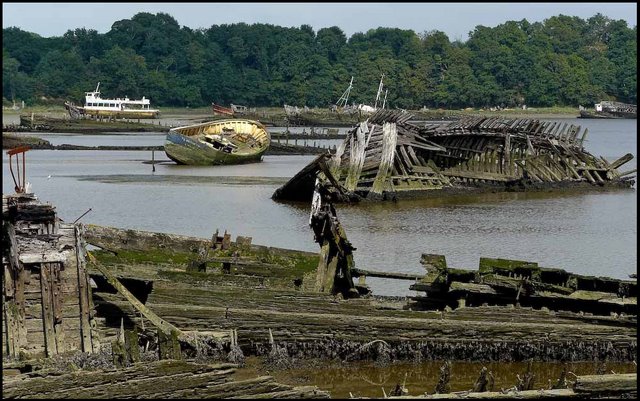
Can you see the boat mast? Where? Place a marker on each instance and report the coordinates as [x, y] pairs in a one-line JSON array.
[[345, 96], [375, 106], [97, 87], [384, 104]]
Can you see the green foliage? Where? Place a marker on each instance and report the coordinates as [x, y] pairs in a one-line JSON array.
[[562, 61]]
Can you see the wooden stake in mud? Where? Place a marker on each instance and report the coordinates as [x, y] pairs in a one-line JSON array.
[[336, 258]]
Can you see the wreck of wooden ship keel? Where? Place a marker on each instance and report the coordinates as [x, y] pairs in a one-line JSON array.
[[231, 141], [389, 157]]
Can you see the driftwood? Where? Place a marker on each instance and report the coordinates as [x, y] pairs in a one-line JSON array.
[[388, 156]]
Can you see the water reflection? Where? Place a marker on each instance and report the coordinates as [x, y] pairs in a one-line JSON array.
[[365, 379]]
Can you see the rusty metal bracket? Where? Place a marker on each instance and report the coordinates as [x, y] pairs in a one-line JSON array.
[[19, 182]]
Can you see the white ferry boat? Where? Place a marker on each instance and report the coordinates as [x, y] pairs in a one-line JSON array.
[[94, 105]]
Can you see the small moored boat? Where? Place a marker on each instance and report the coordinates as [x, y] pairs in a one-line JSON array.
[[232, 141]]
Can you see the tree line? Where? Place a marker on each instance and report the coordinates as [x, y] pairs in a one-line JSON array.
[[562, 61]]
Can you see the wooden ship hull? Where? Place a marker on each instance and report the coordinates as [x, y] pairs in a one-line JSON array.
[[77, 112], [608, 109], [221, 110], [131, 114], [231, 141], [389, 157], [606, 115]]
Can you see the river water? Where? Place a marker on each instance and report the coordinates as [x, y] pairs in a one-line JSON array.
[[586, 233]]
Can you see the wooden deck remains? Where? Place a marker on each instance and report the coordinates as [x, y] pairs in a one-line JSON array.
[[261, 298], [521, 283], [388, 156]]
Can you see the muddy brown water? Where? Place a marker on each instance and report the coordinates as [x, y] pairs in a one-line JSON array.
[[365, 379]]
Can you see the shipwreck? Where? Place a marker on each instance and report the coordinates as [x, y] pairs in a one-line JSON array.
[[232, 141], [389, 156]]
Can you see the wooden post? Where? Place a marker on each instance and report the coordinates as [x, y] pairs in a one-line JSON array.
[[131, 346], [335, 250], [168, 345]]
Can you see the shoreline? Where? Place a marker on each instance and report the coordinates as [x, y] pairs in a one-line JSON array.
[[10, 141]]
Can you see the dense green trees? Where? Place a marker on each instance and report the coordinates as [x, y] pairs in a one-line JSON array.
[[564, 60]]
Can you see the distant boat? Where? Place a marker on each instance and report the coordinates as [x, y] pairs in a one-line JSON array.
[[342, 106], [608, 109], [217, 109], [96, 106], [232, 141]]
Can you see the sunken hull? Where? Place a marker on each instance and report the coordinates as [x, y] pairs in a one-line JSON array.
[[232, 141]]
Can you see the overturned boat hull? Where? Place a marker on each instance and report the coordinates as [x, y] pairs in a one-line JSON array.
[[218, 143]]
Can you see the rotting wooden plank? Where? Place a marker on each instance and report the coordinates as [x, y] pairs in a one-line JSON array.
[[56, 301], [47, 257], [584, 136], [83, 295], [619, 162], [356, 157], [47, 310], [608, 383], [390, 136]]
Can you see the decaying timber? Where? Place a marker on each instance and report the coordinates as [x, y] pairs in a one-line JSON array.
[[272, 298], [607, 386], [513, 282], [46, 298], [388, 156], [167, 379], [336, 258]]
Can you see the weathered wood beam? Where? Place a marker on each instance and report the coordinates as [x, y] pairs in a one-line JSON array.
[[390, 137], [160, 323]]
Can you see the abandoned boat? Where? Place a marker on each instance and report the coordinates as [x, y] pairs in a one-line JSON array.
[[608, 109], [96, 106], [390, 157], [231, 141]]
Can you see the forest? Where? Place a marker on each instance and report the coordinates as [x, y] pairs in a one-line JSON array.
[[562, 61]]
